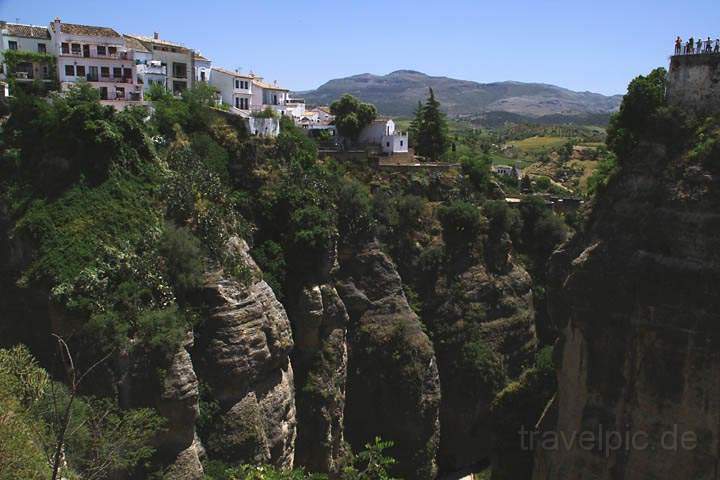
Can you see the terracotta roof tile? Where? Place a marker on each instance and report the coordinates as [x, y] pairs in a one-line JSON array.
[[28, 31], [159, 41], [135, 44], [269, 86], [88, 30], [234, 74]]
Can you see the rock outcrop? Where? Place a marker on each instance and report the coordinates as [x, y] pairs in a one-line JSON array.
[[393, 388], [167, 382], [245, 343], [320, 361], [482, 324], [636, 298]]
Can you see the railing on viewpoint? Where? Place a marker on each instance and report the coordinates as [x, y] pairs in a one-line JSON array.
[[703, 47]]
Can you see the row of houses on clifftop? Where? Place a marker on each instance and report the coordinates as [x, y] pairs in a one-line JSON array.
[[123, 67]]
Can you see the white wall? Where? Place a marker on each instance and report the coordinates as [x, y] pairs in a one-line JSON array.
[[376, 131]]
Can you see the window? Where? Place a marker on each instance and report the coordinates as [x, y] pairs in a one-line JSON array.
[[119, 92], [117, 72], [12, 45], [387, 144], [105, 71], [127, 72], [42, 48], [179, 70], [70, 70], [101, 50], [75, 48], [112, 50], [202, 75], [81, 70], [65, 47], [237, 101], [237, 83]]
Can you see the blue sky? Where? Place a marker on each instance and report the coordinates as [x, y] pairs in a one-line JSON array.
[[584, 45]]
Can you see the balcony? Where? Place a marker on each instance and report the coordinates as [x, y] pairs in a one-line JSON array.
[[121, 56], [96, 78]]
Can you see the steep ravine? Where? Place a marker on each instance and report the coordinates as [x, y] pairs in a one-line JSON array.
[[636, 298]]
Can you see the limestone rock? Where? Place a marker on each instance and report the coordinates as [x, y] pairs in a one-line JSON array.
[[393, 388], [245, 345], [320, 362], [637, 302]]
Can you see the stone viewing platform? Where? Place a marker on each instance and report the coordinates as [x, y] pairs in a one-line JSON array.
[[693, 82]]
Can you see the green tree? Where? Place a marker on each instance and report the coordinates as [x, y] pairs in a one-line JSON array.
[[477, 171], [645, 96], [416, 124], [352, 115], [461, 224], [432, 141]]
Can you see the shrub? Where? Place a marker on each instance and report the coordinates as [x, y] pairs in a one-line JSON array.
[[461, 224], [477, 171], [355, 215], [183, 259]]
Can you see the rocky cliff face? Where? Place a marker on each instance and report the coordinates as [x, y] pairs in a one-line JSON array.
[[244, 345], [320, 360], [393, 385], [483, 329], [637, 302]]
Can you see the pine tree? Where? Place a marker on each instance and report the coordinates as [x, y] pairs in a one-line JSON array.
[[416, 124], [433, 130]]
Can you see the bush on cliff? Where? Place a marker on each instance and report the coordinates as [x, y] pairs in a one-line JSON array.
[[462, 223]]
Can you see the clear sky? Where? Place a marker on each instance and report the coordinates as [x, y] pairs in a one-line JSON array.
[[596, 45]]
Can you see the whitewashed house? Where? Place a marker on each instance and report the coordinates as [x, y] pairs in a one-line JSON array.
[[235, 89], [26, 38], [148, 71], [507, 171], [382, 132], [176, 58], [202, 66], [100, 56]]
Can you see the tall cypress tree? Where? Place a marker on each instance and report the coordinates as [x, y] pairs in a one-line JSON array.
[[433, 130], [416, 124]]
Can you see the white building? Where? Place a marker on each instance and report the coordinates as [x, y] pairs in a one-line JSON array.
[[203, 68], [100, 56], [246, 93], [382, 132], [26, 38], [507, 171], [235, 88], [148, 71], [176, 58], [315, 116]]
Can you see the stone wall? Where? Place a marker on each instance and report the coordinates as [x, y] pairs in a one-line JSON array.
[[694, 82]]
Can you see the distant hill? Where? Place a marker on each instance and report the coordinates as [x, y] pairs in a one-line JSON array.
[[397, 94]]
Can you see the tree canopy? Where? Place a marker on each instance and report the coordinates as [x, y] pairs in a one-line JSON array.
[[352, 115]]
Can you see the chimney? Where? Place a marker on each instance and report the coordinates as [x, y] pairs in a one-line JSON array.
[[156, 36], [57, 23]]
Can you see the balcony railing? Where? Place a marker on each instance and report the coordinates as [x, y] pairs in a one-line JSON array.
[[129, 55], [96, 78]]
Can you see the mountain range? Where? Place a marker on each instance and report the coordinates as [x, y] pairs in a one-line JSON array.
[[398, 93]]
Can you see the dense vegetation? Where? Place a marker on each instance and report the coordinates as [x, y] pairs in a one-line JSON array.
[[121, 215]]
